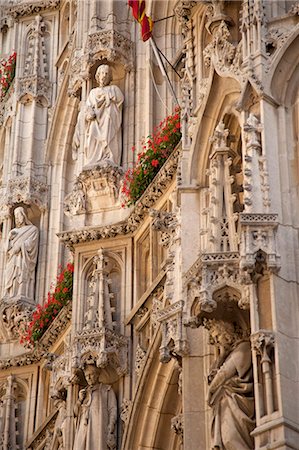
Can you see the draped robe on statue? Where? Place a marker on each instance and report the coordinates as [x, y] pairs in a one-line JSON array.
[[21, 261], [93, 418], [103, 132], [232, 401]]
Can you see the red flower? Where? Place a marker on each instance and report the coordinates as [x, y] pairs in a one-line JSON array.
[[155, 163]]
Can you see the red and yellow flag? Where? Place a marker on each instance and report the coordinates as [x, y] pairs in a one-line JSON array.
[[138, 10]]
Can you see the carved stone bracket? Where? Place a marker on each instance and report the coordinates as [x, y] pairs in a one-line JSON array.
[[28, 190], [106, 347], [14, 314], [222, 54], [174, 339], [263, 342], [168, 224], [94, 190], [258, 239]]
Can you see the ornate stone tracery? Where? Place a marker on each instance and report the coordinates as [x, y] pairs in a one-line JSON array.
[[99, 339]]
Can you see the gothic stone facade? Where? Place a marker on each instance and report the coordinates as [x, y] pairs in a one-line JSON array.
[[183, 330]]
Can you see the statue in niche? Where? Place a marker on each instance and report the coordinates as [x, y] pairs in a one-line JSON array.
[[58, 439], [96, 412], [100, 122], [21, 257], [230, 393]]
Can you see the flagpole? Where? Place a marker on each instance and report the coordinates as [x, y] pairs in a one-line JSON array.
[[162, 68]]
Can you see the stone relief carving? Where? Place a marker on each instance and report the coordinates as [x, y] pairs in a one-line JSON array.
[[96, 413], [230, 390], [222, 54], [125, 410], [75, 202], [94, 190], [140, 357], [21, 258], [183, 11], [34, 82], [27, 9], [258, 236], [100, 122], [148, 199], [256, 184], [177, 425], [13, 316]]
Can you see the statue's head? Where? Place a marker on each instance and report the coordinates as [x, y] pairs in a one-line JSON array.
[[91, 373], [103, 75], [221, 332], [20, 216]]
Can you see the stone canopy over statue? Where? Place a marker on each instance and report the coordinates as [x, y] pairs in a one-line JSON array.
[[21, 258], [99, 122]]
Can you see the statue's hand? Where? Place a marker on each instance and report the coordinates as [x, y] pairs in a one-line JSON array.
[[90, 114], [82, 395]]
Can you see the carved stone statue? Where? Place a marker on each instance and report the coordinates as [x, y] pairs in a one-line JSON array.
[[21, 257], [58, 439], [230, 392], [96, 412], [100, 122]]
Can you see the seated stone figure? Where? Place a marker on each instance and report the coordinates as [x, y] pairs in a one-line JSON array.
[[230, 393], [96, 413], [21, 257]]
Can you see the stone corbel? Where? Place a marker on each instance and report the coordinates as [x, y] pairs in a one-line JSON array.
[[258, 239], [174, 338], [14, 314], [34, 87], [28, 190], [168, 224]]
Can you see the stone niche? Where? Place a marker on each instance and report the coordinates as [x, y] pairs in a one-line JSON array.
[[96, 196]]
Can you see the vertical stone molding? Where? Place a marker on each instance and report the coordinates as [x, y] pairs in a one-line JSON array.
[[263, 343]]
